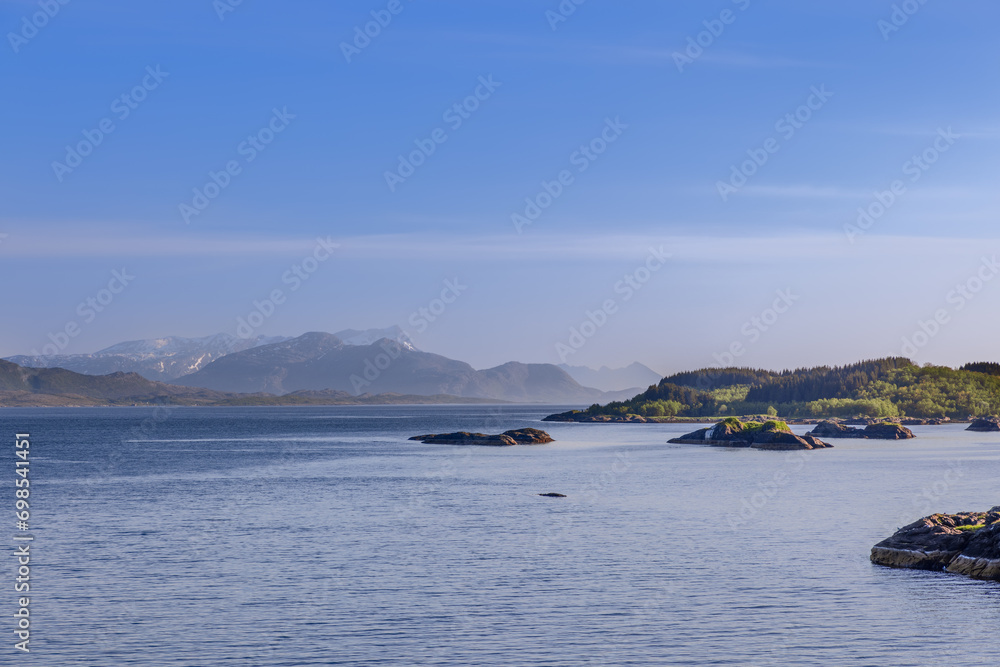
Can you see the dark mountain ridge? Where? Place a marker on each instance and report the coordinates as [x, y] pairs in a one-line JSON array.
[[319, 361]]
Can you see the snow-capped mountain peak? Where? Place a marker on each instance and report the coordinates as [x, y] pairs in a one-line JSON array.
[[369, 336]]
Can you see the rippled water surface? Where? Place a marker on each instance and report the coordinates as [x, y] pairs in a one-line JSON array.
[[321, 536]]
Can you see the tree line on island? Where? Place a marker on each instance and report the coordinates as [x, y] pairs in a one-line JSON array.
[[878, 388]]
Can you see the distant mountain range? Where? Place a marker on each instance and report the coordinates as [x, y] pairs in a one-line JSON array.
[[166, 359], [57, 387], [316, 361], [613, 379], [160, 359], [353, 362]]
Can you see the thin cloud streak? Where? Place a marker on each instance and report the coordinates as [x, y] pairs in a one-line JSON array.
[[74, 244], [837, 192], [684, 249], [508, 248]]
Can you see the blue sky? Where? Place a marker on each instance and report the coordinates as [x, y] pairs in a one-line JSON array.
[[271, 81]]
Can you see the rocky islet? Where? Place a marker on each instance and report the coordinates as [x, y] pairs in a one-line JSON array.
[[524, 436], [773, 435], [877, 431], [966, 543]]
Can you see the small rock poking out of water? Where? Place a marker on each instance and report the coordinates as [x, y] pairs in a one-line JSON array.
[[553, 495], [985, 424], [966, 543]]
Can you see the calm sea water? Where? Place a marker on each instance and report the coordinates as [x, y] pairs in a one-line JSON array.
[[321, 536]]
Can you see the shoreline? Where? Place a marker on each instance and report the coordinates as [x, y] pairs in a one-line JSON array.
[[800, 421]]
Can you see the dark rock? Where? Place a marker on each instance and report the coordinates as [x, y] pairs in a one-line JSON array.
[[981, 557], [887, 432], [466, 438], [781, 440], [615, 419], [571, 416], [831, 429], [582, 416], [985, 424], [693, 438], [529, 436], [878, 431], [939, 542], [815, 442], [524, 436], [553, 495]]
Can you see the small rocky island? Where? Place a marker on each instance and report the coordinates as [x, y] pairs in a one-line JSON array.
[[585, 417], [732, 432], [985, 424], [881, 431], [966, 543], [524, 436]]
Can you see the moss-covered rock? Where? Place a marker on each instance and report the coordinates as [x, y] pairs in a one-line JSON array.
[[732, 432]]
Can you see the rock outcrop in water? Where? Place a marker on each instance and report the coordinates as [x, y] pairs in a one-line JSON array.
[[880, 431], [985, 424], [966, 543], [734, 433], [584, 417], [524, 436], [529, 436]]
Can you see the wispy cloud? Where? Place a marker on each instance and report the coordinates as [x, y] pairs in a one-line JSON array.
[[839, 192], [809, 191], [723, 58], [755, 61], [964, 131], [66, 242], [708, 249], [511, 249], [568, 49]]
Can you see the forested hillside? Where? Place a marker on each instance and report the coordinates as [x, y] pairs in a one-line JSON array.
[[890, 387]]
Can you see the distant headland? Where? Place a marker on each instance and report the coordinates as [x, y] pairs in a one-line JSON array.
[[891, 390]]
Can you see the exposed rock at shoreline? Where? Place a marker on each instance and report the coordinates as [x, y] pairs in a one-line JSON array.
[[830, 429], [529, 436], [581, 416], [733, 433], [524, 436], [966, 543], [878, 431], [887, 432], [985, 424]]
